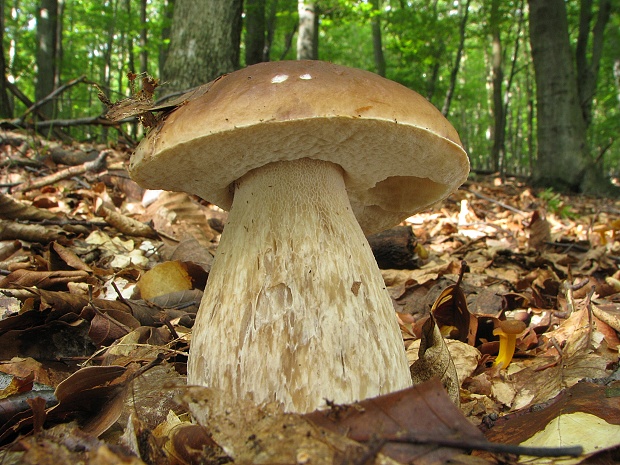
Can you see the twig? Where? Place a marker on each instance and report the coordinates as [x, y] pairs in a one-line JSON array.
[[497, 202], [93, 165], [408, 438]]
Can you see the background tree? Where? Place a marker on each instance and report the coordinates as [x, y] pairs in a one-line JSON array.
[[445, 109], [307, 34], [420, 40], [254, 31], [47, 29], [6, 108], [204, 43], [377, 43], [563, 153]]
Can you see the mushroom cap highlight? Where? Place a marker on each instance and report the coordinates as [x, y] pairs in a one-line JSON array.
[[398, 153]]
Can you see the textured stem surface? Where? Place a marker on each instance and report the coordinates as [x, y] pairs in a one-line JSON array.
[[295, 309]]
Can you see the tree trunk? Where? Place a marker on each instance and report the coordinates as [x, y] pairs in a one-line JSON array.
[[587, 72], [144, 56], [6, 109], [617, 78], [562, 151], [497, 72], [457, 62], [307, 34], [204, 44], [377, 44], [47, 15], [168, 9], [254, 31], [270, 29]]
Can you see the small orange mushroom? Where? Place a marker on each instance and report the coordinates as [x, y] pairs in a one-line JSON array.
[[507, 331]]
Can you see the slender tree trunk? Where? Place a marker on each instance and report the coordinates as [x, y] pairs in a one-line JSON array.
[[270, 29], [377, 44], [561, 128], [205, 38], [254, 31], [497, 72], [47, 16], [307, 34], [457, 61], [144, 54], [6, 109], [437, 51], [59, 45], [168, 8], [617, 78], [587, 70]]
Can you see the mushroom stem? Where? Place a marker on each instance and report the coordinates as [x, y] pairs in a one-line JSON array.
[[508, 330], [296, 310]]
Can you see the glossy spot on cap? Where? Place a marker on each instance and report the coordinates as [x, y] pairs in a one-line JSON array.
[[278, 78]]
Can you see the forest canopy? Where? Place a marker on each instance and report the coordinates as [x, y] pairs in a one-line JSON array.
[[474, 60]]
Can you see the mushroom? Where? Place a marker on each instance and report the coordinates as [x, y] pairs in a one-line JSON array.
[[508, 330], [308, 156]]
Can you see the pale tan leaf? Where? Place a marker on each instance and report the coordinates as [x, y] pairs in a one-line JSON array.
[[163, 279]]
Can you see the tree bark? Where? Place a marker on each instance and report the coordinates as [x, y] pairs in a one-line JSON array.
[[168, 9], [254, 31], [47, 16], [144, 56], [307, 34], [204, 44], [377, 44], [270, 29], [561, 128], [497, 72], [587, 71], [6, 108]]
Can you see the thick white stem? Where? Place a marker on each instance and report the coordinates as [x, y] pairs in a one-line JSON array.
[[295, 310]]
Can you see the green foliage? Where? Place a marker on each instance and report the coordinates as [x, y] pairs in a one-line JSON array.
[[420, 40], [554, 204]]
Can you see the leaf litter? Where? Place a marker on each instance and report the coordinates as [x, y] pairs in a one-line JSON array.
[[92, 356]]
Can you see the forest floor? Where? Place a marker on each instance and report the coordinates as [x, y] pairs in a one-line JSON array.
[[93, 347]]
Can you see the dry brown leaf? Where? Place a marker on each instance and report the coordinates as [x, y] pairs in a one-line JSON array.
[[424, 412], [452, 315], [10, 230], [15, 210], [177, 215], [434, 361], [49, 280], [63, 258], [127, 225], [540, 231]]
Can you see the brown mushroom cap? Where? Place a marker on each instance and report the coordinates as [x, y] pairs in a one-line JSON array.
[[399, 155], [511, 326]]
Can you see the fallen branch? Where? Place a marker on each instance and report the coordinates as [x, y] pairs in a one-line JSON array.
[[94, 165]]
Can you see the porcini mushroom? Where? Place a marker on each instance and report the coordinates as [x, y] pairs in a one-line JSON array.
[[308, 156], [508, 330]]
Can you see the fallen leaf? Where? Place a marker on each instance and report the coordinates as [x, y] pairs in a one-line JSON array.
[[434, 361]]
